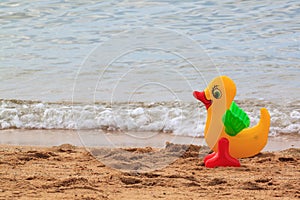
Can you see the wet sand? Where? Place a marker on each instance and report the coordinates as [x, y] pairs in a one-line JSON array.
[[70, 172], [92, 138]]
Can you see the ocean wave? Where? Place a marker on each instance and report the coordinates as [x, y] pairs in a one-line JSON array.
[[178, 118]]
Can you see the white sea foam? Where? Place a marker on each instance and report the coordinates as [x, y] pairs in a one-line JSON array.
[[177, 118]]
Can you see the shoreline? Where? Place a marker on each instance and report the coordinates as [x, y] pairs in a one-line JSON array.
[[97, 138]]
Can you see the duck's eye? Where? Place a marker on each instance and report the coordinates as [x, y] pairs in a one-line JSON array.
[[216, 93]]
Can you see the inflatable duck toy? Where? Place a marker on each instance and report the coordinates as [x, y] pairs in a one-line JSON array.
[[228, 125]]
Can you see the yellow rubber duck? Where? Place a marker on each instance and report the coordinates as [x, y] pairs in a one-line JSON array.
[[217, 98]]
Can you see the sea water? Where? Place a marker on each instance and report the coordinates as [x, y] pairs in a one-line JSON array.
[[132, 65]]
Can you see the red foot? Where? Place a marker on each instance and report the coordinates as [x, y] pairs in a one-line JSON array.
[[222, 158], [209, 156]]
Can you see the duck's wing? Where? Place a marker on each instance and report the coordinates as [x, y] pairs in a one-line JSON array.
[[235, 120]]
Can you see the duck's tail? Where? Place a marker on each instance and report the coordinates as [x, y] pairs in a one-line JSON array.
[[265, 120], [251, 140]]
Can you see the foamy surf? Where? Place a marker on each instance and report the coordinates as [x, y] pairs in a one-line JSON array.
[[177, 118]]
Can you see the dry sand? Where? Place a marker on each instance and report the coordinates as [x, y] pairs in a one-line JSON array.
[[69, 172]]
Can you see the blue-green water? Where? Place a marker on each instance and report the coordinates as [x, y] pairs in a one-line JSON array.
[[44, 46]]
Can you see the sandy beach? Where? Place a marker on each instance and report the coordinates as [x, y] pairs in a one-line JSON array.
[[70, 172], [98, 99]]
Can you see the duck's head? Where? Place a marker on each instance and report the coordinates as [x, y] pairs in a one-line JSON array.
[[220, 92]]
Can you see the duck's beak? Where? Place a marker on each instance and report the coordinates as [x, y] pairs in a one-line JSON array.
[[202, 97]]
